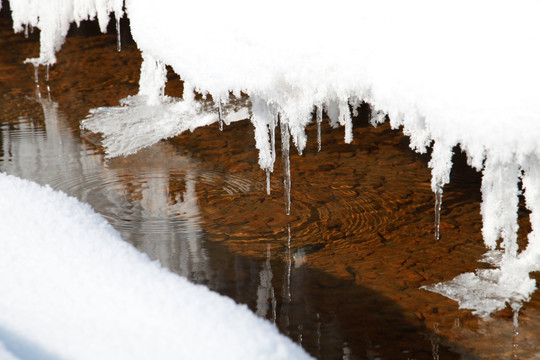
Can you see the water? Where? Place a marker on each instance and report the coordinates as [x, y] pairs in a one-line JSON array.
[[340, 274]]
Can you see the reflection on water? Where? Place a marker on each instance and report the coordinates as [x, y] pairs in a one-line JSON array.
[[341, 275], [138, 201], [266, 297]]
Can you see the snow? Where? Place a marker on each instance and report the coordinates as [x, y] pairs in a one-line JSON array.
[[447, 73], [54, 17], [5, 354], [75, 290]]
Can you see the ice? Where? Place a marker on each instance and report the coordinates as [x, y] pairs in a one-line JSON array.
[[285, 144], [73, 282], [441, 165], [515, 331], [220, 114], [489, 290], [319, 123], [438, 205], [118, 36], [138, 125], [451, 76]]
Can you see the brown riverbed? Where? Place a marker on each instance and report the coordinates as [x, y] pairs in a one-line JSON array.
[[340, 275]]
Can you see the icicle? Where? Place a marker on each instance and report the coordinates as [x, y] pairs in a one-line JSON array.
[[332, 110], [285, 145], [515, 330], [26, 31], [261, 119], [220, 114], [339, 114], [273, 124], [346, 120], [355, 103], [118, 35], [319, 122], [440, 164], [47, 73], [268, 181], [438, 204], [297, 128], [500, 204], [273, 150], [153, 79]]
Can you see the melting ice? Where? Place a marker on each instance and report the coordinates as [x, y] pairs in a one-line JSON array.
[[449, 75]]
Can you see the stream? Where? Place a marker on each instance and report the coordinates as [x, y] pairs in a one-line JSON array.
[[340, 275]]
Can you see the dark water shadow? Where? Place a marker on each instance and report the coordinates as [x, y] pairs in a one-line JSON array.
[[330, 317]]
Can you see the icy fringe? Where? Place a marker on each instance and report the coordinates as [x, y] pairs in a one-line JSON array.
[[146, 118], [484, 291]]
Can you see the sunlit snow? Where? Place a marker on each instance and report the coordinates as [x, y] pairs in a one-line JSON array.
[[449, 74]]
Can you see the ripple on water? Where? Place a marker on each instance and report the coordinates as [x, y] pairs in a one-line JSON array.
[[323, 214]]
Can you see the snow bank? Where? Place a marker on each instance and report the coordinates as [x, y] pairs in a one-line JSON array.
[[448, 73], [72, 289]]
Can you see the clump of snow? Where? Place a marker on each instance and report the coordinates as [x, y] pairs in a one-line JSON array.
[[72, 289], [448, 74]]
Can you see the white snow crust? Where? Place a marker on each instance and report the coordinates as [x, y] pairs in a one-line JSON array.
[[72, 289], [448, 73]]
